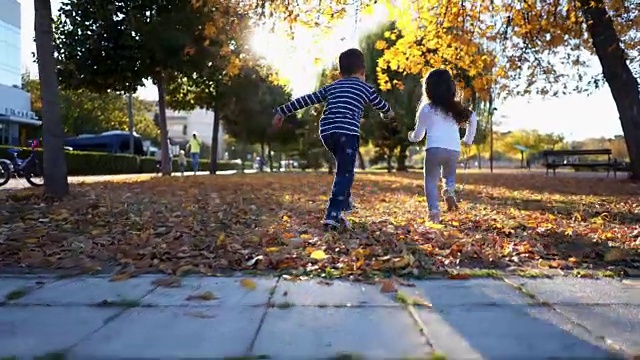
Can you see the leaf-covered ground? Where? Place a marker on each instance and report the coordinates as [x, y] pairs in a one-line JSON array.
[[271, 222]]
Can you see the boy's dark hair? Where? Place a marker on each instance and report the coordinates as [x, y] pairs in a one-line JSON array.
[[351, 62], [440, 89]]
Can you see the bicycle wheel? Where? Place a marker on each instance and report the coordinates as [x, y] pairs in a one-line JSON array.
[[34, 174], [5, 172]]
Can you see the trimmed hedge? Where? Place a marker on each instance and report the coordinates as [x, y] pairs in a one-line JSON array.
[[81, 163]]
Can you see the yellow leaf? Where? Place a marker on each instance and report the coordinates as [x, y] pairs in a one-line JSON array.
[[31, 240], [435, 226], [220, 240], [248, 284], [318, 255]]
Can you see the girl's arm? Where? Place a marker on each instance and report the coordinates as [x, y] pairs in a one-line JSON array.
[[422, 117], [471, 129]]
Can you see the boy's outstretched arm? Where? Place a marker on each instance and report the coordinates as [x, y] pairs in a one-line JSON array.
[[377, 103], [298, 104]]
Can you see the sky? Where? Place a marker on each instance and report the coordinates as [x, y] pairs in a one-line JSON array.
[[576, 116]]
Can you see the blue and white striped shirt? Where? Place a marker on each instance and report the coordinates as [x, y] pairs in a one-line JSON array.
[[344, 104]]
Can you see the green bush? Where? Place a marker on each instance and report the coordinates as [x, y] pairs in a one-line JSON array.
[[81, 163]]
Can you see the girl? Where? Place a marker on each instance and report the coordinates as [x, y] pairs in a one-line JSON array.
[[440, 116]]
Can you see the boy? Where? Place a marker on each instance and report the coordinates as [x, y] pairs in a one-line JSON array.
[[182, 162], [340, 126]]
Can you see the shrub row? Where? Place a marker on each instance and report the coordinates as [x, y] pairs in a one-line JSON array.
[[91, 163]]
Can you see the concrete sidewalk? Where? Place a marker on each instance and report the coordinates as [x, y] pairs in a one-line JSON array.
[[91, 317], [20, 183]]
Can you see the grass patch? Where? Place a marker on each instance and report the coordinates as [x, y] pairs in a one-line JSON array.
[[438, 356], [126, 303], [16, 294], [531, 273], [283, 305], [347, 356], [56, 355]]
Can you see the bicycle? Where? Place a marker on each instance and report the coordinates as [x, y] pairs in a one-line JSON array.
[[30, 168]]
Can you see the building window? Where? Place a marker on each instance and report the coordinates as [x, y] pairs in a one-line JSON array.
[[184, 130]]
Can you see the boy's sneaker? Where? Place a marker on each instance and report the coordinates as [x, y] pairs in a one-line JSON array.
[[336, 224], [434, 217], [450, 200]]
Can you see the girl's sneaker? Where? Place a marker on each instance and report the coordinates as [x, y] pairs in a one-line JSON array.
[[450, 199], [434, 217]]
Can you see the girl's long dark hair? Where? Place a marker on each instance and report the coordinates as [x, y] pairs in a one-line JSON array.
[[440, 89]]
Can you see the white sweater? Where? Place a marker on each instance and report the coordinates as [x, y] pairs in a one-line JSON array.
[[441, 129]]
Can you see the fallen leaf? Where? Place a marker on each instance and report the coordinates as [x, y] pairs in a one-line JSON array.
[[318, 255], [459, 276], [248, 284], [121, 276], [388, 286], [168, 282], [205, 296]]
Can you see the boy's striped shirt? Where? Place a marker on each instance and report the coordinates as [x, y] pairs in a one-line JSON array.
[[344, 105]]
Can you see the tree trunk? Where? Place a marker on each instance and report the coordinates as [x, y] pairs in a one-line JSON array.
[[214, 140], [616, 71], [402, 157], [56, 183], [261, 164], [244, 155], [165, 166], [270, 157], [363, 166]]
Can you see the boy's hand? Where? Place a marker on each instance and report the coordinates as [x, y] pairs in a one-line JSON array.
[[388, 115], [277, 120]]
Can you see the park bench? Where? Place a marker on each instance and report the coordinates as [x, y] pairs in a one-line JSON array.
[[551, 163]]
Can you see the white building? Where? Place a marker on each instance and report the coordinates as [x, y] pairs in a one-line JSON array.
[[181, 124], [15, 104]]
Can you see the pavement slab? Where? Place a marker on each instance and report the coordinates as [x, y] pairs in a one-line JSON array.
[[174, 332], [571, 290], [619, 324], [507, 332], [335, 293], [301, 332], [467, 292], [26, 332], [88, 291], [229, 292]]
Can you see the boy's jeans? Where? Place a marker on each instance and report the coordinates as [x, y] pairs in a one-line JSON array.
[[344, 148], [436, 160], [194, 158]]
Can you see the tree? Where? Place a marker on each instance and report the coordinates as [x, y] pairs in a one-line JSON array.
[[390, 137], [55, 166], [248, 100], [116, 45], [541, 48], [187, 91], [84, 112]]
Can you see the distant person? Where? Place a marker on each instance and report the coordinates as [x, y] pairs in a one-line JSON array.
[[182, 162], [194, 150], [344, 100], [440, 116], [158, 158]]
